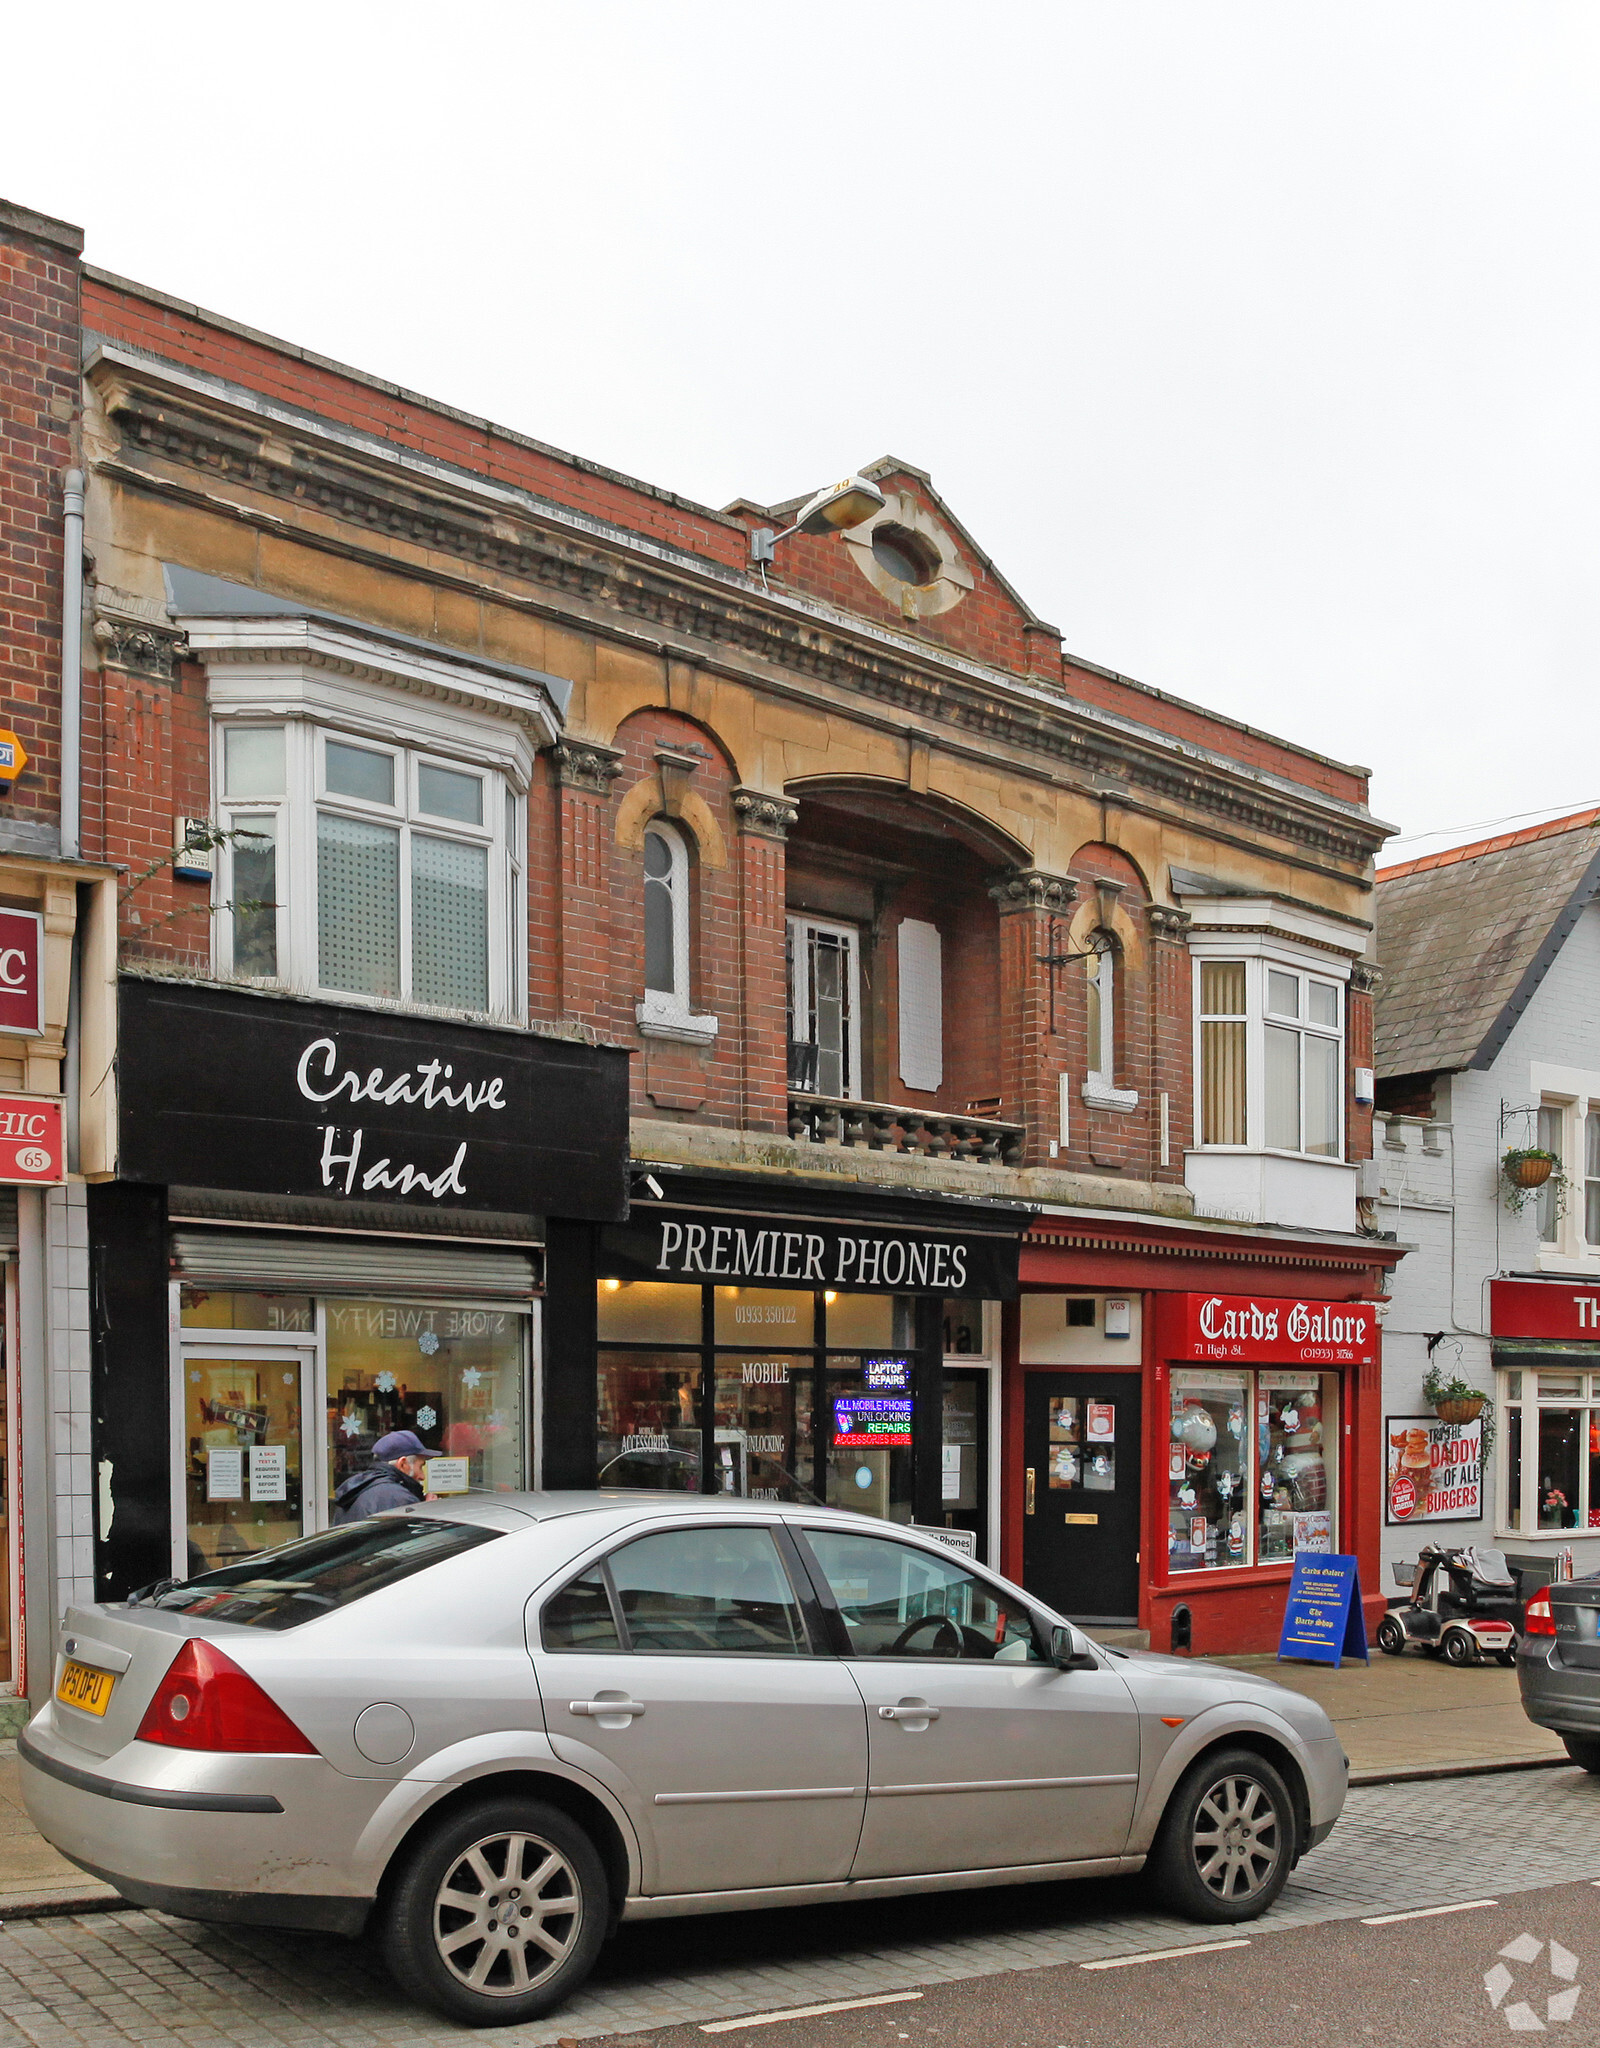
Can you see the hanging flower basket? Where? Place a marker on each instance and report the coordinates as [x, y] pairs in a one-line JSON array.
[[1525, 1171], [1529, 1169], [1459, 1408]]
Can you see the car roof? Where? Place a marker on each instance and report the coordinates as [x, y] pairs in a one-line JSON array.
[[512, 1510]]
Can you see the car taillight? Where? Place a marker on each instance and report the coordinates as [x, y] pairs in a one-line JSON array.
[[206, 1702], [1537, 1620]]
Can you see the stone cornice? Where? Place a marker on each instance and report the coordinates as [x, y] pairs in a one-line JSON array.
[[197, 424]]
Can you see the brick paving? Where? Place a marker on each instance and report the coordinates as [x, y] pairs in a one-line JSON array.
[[106, 1979]]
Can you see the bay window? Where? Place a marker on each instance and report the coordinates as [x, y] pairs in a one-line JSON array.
[[1269, 1054], [370, 869]]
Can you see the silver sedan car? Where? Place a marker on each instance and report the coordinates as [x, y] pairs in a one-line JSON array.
[[489, 1729]]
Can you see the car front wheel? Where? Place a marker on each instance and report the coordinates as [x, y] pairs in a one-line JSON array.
[[498, 1913], [1227, 1839]]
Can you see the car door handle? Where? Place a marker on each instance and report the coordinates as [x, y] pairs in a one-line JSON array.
[[908, 1713], [598, 1708]]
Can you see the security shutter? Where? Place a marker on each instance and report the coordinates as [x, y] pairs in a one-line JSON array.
[[256, 1262], [921, 1006]]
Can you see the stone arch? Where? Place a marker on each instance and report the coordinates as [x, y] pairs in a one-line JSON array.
[[990, 841]]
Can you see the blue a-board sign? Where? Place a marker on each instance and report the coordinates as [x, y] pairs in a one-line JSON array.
[[1323, 1621]]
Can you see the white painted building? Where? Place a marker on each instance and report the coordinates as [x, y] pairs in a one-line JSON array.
[[1488, 1040]]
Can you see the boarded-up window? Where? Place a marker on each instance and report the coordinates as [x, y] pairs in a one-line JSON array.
[[921, 1006]]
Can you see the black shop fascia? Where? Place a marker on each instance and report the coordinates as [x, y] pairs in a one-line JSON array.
[[781, 1341], [336, 1216]]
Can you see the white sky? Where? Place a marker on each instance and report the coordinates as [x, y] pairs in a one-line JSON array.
[[1256, 343]]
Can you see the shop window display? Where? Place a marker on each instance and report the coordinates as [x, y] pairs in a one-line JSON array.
[[1551, 1466], [649, 1420], [1239, 1495], [454, 1375], [243, 1479]]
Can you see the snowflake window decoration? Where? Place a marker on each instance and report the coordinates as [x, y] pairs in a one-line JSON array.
[[385, 1383], [426, 1418], [428, 1343]]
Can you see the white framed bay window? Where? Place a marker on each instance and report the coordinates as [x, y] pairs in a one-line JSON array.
[[1269, 1055], [363, 867]]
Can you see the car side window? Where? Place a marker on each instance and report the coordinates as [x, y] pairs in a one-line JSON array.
[[580, 1616], [707, 1592], [899, 1602]]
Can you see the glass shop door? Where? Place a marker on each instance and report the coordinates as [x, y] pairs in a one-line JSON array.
[[245, 1413]]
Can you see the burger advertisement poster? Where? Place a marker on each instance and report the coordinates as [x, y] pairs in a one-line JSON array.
[[1435, 1470]]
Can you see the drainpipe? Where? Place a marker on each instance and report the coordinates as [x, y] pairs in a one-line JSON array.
[[72, 665]]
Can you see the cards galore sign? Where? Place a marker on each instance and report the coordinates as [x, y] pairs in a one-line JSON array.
[[1284, 1332]]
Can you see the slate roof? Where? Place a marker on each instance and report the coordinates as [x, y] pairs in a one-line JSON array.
[[1466, 936]]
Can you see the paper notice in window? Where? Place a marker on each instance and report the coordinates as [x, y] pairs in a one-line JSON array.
[[224, 1475], [269, 1472], [1101, 1421], [950, 1473], [448, 1475]]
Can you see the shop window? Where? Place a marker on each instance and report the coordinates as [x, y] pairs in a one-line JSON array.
[[763, 1315], [824, 1008], [1240, 1494], [648, 1312], [367, 869], [201, 1309], [863, 1320], [453, 1374], [761, 1443], [243, 1465], [649, 1420], [867, 1423], [1270, 1052], [1551, 1420]]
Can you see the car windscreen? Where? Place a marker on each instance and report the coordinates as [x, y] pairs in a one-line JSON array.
[[303, 1581]]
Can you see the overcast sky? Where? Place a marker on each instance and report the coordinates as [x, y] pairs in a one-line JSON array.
[[1256, 343]]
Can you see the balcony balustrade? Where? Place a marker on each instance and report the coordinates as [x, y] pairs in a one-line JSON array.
[[887, 1126]]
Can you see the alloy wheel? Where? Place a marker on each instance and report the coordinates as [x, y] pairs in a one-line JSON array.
[[509, 1911], [1237, 1838]]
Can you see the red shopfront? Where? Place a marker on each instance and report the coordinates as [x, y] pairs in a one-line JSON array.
[[1168, 1450]]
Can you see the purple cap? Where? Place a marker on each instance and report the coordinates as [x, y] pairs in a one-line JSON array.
[[401, 1443]]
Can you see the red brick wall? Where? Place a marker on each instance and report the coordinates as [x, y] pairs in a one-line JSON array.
[[148, 746], [39, 406]]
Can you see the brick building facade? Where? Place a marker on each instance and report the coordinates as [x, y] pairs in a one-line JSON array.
[[907, 927]]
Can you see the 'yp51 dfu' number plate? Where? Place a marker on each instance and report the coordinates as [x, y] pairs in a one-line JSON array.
[[85, 1688]]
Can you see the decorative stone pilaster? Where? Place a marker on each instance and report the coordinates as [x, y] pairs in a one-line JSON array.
[[586, 765], [770, 816]]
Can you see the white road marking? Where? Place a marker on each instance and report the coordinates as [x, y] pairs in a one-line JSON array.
[[1428, 1912], [805, 2012], [1166, 1955]]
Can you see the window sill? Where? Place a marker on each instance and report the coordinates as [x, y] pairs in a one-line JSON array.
[[1099, 1093], [666, 1020], [1504, 1536], [1569, 1263]]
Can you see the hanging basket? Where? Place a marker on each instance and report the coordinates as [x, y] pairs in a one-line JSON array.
[[1530, 1171], [1462, 1408]]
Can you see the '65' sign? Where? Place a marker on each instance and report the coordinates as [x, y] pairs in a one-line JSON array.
[[21, 971], [32, 1141]]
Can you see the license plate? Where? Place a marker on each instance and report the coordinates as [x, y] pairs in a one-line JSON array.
[[85, 1688]]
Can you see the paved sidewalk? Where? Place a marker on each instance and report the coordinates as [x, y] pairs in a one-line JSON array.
[[1415, 1715]]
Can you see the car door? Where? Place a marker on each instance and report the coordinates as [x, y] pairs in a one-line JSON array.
[[682, 1671], [981, 1754]]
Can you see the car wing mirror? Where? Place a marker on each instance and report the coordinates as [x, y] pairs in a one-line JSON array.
[[1067, 1652]]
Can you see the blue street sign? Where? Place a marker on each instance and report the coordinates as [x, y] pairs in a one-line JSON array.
[[1323, 1621]]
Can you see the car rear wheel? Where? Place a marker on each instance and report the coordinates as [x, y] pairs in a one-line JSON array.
[[498, 1913], [1391, 1636], [1584, 1751], [1227, 1839], [1459, 1648]]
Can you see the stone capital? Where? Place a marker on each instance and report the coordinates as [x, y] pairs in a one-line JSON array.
[[584, 764], [139, 647], [1365, 977], [1033, 889], [1167, 923], [757, 811]]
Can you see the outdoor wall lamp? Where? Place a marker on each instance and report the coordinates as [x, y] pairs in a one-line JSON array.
[[830, 511]]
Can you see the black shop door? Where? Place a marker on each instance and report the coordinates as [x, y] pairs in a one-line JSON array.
[[1080, 1499]]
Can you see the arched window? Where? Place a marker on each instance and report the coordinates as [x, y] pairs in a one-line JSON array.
[[1102, 1005], [666, 914], [665, 1012]]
